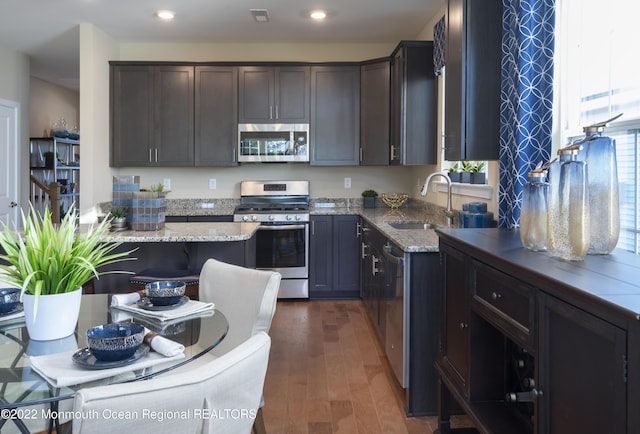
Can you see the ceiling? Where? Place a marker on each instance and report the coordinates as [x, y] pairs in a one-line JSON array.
[[48, 30]]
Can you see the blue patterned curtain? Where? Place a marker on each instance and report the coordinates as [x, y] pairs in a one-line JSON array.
[[527, 96], [438, 46]]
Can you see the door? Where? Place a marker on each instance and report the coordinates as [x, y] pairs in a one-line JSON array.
[[10, 162]]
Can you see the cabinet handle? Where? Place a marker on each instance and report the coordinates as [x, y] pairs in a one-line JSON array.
[[374, 265], [463, 325], [150, 160], [156, 155], [270, 112], [496, 295], [363, 250], [277, 114], [358, 229], [393, 152]]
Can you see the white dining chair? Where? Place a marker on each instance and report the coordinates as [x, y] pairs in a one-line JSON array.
[[246, 296], [222, 397]]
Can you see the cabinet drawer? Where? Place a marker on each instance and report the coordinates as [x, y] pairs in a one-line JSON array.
[[505, 302]]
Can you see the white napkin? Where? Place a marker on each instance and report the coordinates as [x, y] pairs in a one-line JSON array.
[[125, 299], [189, 308], [164, 346], [59, 370]]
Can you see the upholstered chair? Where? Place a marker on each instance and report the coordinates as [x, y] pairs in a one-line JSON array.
[[221, 397]]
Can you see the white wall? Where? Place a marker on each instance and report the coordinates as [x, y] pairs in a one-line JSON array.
[[48, 103]]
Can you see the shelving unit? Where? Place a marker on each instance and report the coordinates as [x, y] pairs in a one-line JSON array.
[[55, 159]]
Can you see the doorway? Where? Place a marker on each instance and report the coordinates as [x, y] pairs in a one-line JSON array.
[[9, 161]]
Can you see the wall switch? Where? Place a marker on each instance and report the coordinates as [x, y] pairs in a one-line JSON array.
[[212, 183], [166, 184], [347, 183]]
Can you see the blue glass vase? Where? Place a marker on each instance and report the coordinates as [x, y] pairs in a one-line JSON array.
[[533, 214]]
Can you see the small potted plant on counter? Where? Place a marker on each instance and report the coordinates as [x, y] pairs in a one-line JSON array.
[[369, 198], [454, 172], [118, 217], [478, 176]]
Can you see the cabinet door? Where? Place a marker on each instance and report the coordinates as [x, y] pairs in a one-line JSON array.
[[581, 371], [374, 116], [414, 104], [346, 275], [131, 115], [335, 115], [473, 79], [216, 116], [173, 101], [292, 94], [454, 324], [256, 87], [320, 255]]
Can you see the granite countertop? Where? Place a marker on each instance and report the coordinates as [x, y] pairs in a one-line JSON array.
[[409, 240], [185, 232]]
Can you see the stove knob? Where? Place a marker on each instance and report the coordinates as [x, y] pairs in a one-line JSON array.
[[297, 217], [271, 217], [254, 218], [245, 218], [288, 217]]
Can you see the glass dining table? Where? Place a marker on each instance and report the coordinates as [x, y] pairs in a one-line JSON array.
[[25, 395]]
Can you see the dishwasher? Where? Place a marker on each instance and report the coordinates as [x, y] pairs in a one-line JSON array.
[[394, 296]]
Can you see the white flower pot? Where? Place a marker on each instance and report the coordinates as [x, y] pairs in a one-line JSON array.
[[55, 317]]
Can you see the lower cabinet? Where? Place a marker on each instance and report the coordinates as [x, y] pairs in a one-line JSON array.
[[516, 358], [334, 249]]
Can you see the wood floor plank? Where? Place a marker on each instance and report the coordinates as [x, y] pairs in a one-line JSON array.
[[328, 374]]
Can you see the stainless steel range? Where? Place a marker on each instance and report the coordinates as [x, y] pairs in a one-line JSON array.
[[282, 241]]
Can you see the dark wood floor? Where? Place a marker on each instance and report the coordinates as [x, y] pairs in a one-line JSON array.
[[328, 374]]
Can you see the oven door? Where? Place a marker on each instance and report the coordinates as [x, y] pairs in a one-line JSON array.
[[283, 248]]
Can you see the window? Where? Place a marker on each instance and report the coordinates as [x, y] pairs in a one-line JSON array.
[[597, 71]]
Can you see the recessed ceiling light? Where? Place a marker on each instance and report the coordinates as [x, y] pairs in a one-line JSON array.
[[166, 15], [260, 15], [318, 15]]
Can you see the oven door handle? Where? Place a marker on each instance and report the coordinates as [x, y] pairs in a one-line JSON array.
[[280, 227]]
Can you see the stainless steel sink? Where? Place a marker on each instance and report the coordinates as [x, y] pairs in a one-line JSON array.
[[412, 225]]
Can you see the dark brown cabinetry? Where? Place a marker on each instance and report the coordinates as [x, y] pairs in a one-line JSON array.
[[413, 104], [335, 115], [473, 79], [334, 250], [152, 113], [529, 344], [274, 94], [374, 113], [216, 115]]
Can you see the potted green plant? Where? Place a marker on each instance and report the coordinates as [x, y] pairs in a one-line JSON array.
[[478, 175], [50, 263], [369, 198], [118, 218], [454, 172], [467, 168]]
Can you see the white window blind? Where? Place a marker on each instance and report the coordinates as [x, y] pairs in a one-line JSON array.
[[596, 48]]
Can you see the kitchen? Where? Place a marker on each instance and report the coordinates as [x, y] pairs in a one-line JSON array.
[[193, 183]]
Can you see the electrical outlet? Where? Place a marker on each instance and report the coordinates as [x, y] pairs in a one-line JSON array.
[[347, 183], [166, 184], [212, 183]]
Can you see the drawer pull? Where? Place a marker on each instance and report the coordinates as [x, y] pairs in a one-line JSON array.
[[496, 296], [463, 326]]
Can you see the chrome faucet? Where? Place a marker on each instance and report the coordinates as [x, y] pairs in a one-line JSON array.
[[425, 189]]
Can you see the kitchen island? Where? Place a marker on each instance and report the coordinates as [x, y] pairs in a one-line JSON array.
[[178, 246]]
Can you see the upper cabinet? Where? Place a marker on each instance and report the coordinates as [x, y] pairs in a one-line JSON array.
[[216, 115], [374, 113], [413, 104], [473, 80], [335, 115], [274, 94], [152, 115]]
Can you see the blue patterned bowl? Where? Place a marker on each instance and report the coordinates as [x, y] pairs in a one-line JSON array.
[[113, 342], [165, 292], [9, 299]]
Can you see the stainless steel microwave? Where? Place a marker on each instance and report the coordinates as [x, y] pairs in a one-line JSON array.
[[273, 143]]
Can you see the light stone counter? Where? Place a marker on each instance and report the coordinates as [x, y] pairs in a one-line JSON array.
[[186, 232], [409, 240]]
